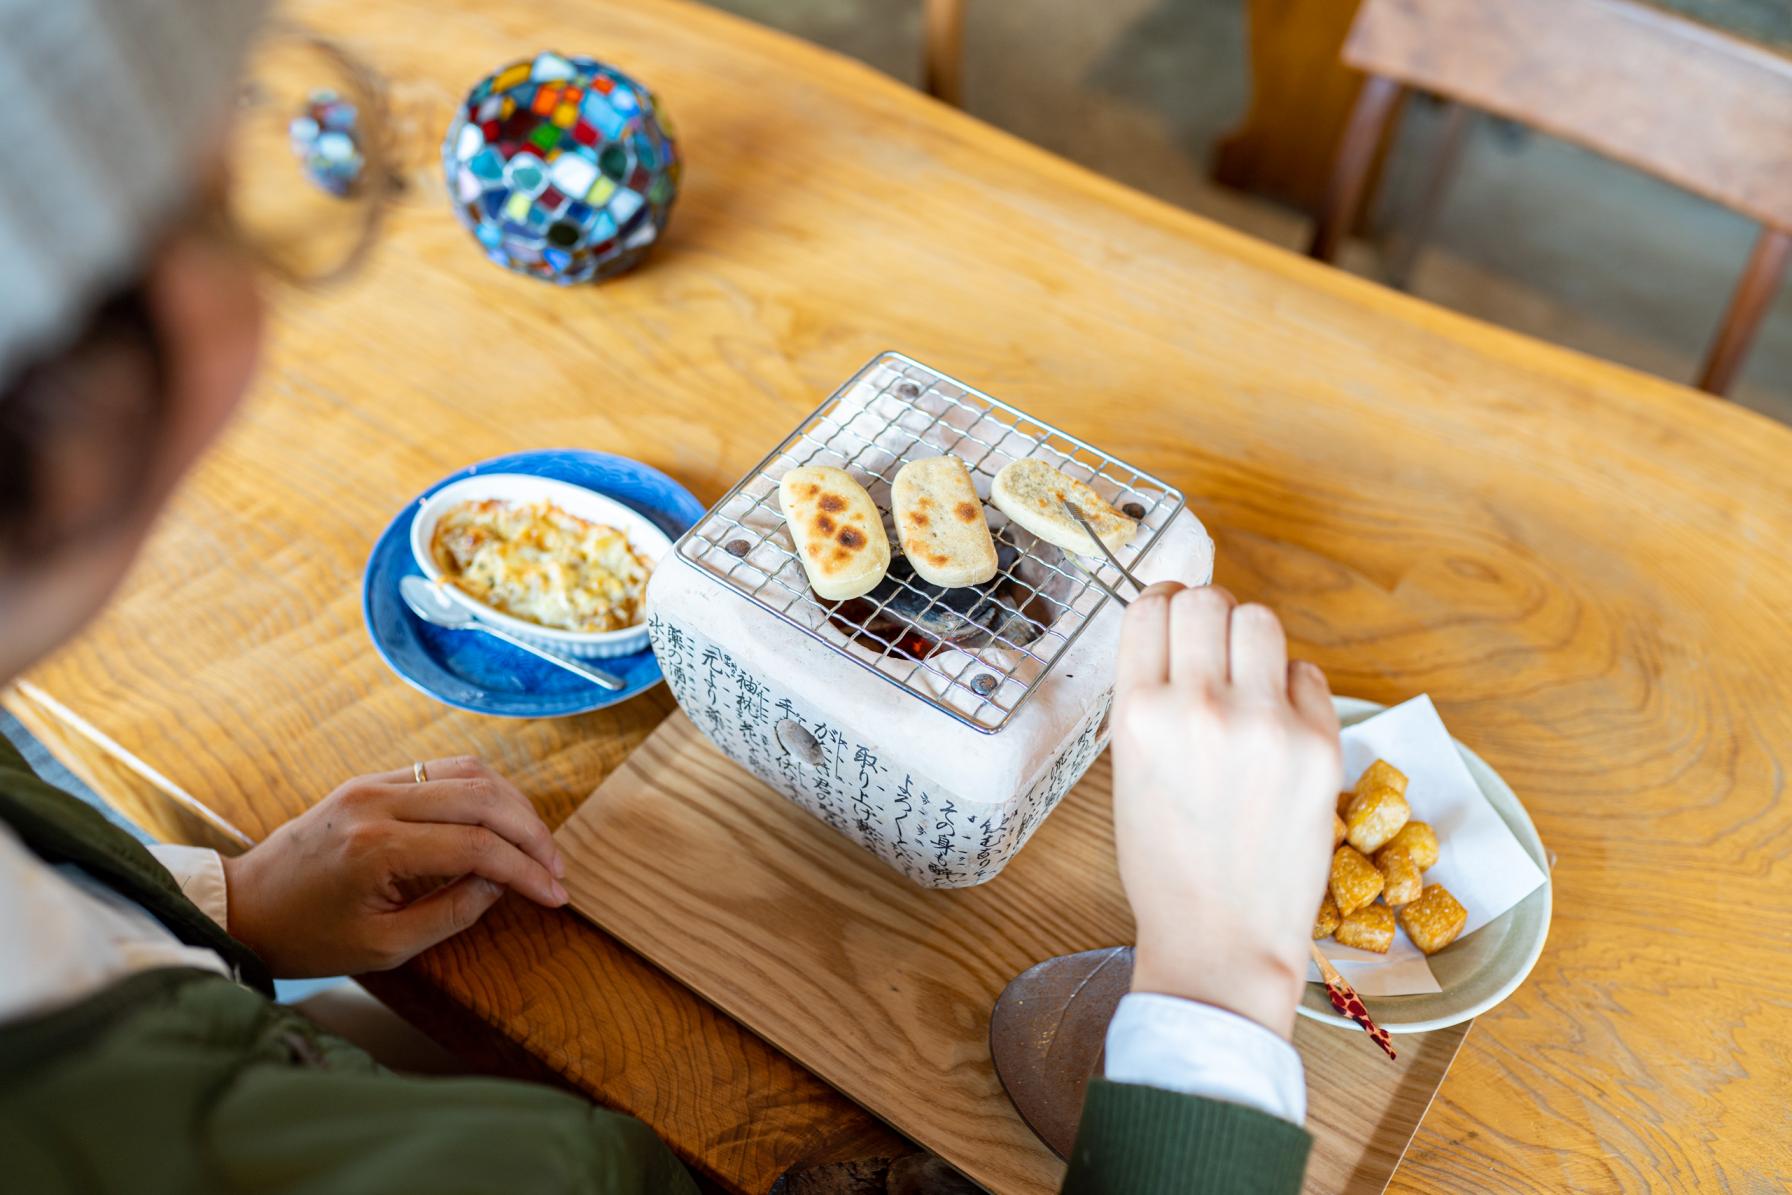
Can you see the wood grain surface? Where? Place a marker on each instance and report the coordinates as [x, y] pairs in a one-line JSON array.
[[1584, 566], [885, 988]]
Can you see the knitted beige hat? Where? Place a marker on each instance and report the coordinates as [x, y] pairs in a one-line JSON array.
[[106, 107]]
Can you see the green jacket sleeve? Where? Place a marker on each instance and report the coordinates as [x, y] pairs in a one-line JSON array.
[[181, 1081], [1135, 1140], [379, 1133]]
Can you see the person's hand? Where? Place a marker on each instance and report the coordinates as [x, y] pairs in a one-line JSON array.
[[1226, 768], [331, 892]]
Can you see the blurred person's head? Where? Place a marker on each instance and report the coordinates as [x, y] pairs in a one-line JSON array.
[[127, 331]]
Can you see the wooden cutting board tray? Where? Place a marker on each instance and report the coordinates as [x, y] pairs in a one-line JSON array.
[[885, 989]]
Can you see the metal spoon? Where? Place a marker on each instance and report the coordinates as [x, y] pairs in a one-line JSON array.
[[432, 606]]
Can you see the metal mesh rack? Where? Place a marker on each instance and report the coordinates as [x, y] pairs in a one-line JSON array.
[[891, 411]]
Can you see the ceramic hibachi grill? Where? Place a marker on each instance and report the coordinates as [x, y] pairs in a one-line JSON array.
[[934, 727]]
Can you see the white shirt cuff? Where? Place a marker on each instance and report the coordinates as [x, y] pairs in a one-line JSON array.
[[1197, 1049], [200, 874]]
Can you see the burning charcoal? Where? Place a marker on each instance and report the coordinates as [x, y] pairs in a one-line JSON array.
[[1015, 627], [964, 617], [949, 615]]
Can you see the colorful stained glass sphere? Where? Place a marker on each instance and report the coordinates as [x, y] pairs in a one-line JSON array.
[[563, 168]]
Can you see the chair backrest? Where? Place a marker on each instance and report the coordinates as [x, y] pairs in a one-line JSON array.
[[1706, 111]]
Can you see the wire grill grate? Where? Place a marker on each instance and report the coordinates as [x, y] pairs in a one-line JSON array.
[[892, 411]]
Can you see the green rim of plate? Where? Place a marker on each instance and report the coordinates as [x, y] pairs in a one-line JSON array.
[[1482, 969]]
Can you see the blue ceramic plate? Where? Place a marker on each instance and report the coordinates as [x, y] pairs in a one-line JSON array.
[[475, 672]]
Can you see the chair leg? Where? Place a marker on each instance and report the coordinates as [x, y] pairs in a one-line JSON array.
[[942, 62], [1754, 295], [1405, 241], [1350, 169]]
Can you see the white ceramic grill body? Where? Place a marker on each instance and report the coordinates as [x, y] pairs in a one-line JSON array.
[[946, 805]]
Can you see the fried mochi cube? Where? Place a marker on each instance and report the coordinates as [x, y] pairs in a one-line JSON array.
[[1418, 840], [1369, 928], [1400, 880], [1337, 831], [1381, 774], [1375, 817], [1354, 881], [1327, 919], [1433, 920]]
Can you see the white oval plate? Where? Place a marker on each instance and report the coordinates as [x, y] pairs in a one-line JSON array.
[[1482, 969], [643, 536]]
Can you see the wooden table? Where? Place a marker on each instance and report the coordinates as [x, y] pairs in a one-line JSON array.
[[785, 924], [1585, 566]]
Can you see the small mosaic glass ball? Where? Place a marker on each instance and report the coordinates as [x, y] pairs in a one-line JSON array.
[[563, 168], [325, 141]]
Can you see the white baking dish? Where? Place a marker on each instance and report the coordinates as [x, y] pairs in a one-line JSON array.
[[646, 539]]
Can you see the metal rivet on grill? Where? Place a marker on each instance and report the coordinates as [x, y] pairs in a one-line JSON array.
[[736, 547], [983, 684], [909, 390], [1134, 510]]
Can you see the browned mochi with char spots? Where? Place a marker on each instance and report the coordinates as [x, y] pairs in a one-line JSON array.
[[1034, 494], [838, 531], [940, 523]]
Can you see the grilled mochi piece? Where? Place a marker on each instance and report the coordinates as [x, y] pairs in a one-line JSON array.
[[1374, 818], [1433, 920], [1416, 839], [1325, 922], [940, 523], [838, 531], [1381, 774], [1400, 880], [1031, 493], [1369, 928], [1354, 882]]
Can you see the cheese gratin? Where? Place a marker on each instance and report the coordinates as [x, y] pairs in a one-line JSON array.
[[534, 561]]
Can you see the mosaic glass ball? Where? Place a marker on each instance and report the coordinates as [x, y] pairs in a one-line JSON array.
[[563, 168], [325, 141]]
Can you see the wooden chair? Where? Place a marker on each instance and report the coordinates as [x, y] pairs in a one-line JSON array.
[[1698, 108]]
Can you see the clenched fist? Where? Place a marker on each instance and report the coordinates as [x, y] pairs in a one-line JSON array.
[[385, 867]]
